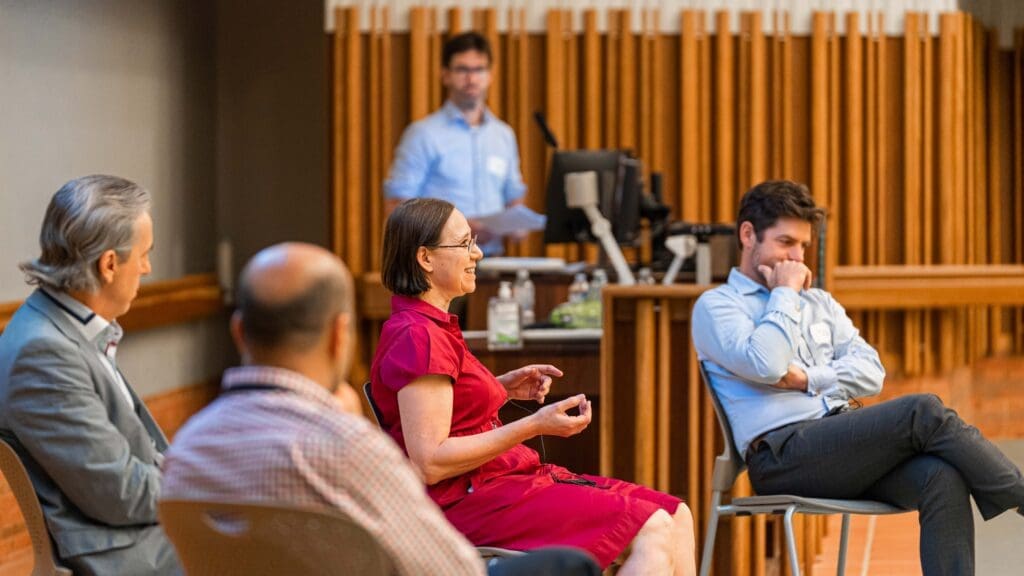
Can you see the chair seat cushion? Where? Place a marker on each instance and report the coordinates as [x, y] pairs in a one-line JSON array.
[[779, 502]]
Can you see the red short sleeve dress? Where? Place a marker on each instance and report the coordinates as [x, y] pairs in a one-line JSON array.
[[514, 501]]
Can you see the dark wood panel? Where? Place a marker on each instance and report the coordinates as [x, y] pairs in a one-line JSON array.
[[579, 362]]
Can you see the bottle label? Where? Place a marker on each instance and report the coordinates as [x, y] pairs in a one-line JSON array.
[[503, 330]]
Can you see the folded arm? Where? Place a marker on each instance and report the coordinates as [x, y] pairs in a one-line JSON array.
[[756, 349], [855, 368]]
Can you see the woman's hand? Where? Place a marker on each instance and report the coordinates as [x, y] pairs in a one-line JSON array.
[[425, 407], [554, 420], [531, 382]]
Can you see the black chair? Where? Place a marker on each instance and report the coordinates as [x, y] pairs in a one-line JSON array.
[[373, 405]]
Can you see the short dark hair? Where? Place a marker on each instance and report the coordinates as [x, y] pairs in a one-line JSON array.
[[464, 43], [414, 223], [764, 204], [297, 322]]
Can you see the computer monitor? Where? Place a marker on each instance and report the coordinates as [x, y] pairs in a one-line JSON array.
[[620, 187]]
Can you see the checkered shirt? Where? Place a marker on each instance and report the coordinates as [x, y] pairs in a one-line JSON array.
[[291, 442]]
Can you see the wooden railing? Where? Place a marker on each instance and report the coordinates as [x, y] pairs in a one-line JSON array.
[[927, 319], [162, 303], [928, 287]]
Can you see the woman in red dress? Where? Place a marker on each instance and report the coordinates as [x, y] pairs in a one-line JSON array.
[[441, 405]]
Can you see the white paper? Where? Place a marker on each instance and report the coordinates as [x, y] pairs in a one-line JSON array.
[[514, 264], [518, 218]]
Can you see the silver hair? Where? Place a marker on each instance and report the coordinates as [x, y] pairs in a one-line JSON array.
[[85, 218]]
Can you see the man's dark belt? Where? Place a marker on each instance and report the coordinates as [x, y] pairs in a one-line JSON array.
[[756, 443]]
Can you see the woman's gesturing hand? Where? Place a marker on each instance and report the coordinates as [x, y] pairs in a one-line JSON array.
[[529, 382], [555, 420]]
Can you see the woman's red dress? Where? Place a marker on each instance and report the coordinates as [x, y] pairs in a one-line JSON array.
[[514, 501]]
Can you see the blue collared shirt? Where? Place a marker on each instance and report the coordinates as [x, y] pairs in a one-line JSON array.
[[748, 337], [476, 168]]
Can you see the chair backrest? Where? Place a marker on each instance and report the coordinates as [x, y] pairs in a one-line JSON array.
[[729, 464], [224, 538], [28, 503], [373, 405]]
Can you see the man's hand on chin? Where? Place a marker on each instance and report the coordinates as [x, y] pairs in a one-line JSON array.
[[790, 273]]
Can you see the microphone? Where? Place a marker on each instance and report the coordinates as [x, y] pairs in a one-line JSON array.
[[549, 137]]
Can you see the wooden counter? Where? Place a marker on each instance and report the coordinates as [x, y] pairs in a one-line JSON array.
[[578, 359]]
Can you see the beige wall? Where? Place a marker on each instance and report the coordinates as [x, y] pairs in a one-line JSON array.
[[218, 108], [115, 86], [127, 88]]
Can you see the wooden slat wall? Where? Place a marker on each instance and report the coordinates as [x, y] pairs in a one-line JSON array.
[[928, 187], [555, 57], [419, 63], [724, 103], [912, 176], [913, 142], [516, 94], [381, 127], [1017, 195]]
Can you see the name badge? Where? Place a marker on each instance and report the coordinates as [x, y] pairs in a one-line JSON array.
[[497, 165], [821, 333]]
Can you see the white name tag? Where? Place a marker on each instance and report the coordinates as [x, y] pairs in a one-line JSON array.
[[821, 333], [497, 165]]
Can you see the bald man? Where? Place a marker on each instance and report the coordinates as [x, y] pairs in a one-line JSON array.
[[285, 425]]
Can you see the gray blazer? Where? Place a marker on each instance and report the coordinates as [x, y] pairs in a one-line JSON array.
[[94, 462]]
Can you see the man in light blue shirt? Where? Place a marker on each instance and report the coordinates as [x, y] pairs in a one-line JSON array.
[[785, 361], [462, 153]]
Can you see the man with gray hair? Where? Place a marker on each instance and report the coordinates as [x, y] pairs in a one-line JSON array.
[[91, 448]]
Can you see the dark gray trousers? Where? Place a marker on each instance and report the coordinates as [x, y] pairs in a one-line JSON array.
[[912, 452], [553, 561]]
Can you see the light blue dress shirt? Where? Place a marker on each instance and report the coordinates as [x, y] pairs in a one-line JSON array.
[[476, 168], [748, 337]]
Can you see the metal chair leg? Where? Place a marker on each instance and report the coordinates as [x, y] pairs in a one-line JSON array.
[[707, 554], [794, 563], [843, 537]]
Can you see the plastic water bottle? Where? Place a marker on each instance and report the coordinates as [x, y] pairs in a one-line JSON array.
[[503, 327], [579, 288], [524, 293], [597, 282]]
